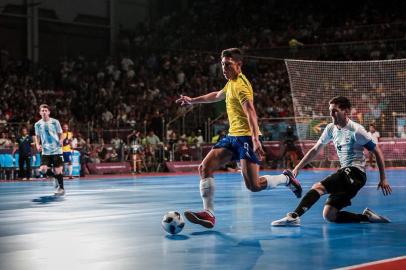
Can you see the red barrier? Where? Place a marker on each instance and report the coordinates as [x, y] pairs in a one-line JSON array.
[[109, 168], [6, 150], [393, 150], [183, 166], [306, 145], [272, 150]]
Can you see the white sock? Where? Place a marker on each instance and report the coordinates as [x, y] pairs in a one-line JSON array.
[[207, 187], [276, 180], [70, 168]]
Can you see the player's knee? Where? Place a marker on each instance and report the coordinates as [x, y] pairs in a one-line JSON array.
[[204, 170], [58, 170], [254, 187], [200, 169], [316, 186], [329, 216], [59, 176], [319, 188]]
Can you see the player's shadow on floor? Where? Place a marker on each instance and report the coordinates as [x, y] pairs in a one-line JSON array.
[[177, 237], [48, 199], [217, 233], [245, 252]]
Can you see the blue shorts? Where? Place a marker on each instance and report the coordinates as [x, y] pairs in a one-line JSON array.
[[67, 157], [241, 146]]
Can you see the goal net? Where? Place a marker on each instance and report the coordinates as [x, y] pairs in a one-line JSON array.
[[376, 89]]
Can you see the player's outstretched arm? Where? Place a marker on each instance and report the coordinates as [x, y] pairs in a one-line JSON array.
[[310, 155], [208, 98], [60, 135], [383, 182], [37, 143]]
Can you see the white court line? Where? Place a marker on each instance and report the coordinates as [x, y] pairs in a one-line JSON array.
[[374, 186], [371, 263], [377, 185], [369, 186]]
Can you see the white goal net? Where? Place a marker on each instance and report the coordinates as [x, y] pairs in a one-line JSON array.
[[376, 89]]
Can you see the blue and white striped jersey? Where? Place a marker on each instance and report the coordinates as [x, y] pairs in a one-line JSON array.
[[349, 142], [49, 134]]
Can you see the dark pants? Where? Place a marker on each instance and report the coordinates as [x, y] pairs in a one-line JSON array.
[[24, 172]]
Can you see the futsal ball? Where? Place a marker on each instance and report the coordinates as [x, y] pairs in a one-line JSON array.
[[173, 222]]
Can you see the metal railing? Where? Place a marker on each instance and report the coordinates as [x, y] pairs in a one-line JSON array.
[[181, 116]]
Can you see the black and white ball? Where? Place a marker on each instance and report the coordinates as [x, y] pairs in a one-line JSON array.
[[173, 222]]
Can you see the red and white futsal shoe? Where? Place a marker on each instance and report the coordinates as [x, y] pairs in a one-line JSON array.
[[204, 218]]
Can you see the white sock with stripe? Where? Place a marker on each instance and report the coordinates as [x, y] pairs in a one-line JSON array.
[[207, 187], [276, 180]]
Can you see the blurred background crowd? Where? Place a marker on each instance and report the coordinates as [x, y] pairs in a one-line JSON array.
[[122, 103]]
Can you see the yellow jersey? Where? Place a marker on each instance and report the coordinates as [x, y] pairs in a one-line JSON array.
[[67, 138], [237, 92]]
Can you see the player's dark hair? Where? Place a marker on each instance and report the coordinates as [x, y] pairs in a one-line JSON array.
[[372, 125], [22, 128], [234, 53], [342, 102], [44, 106]]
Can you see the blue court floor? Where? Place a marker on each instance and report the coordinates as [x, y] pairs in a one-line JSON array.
[[116, 224]]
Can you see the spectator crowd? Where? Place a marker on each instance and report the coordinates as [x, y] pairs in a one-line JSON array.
[[116, 104]]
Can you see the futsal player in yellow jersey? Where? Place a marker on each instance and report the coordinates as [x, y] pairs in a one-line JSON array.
[[67, 137], [242, 143]]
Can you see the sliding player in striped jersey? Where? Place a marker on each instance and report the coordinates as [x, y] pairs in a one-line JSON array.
[[350, 139]]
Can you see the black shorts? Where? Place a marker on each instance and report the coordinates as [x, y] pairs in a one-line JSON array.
[[52, 160], [343, 186]]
